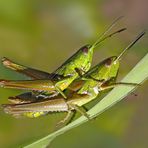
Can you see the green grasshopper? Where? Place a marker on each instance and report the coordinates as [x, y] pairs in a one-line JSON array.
[[56, 82], [101, 77]]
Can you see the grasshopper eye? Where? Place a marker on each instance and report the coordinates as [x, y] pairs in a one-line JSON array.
[[108, 62], [85, 49]]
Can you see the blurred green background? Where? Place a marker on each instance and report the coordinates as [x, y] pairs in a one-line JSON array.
[[43, 34]]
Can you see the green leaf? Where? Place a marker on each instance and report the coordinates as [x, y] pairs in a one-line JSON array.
[[137, 75]]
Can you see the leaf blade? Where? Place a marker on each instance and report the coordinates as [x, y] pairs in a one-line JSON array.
[[137, 75]]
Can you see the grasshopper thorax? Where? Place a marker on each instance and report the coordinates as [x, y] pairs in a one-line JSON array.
[[110, 68]]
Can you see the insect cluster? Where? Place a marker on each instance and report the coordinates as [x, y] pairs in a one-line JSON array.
[[68, 88]]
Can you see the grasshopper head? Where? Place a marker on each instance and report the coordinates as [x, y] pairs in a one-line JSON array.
[[104, 70], [111, 67], [112, 63]]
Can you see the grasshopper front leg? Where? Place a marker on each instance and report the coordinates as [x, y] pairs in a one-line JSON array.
[[77, 101], [67, 119], [109, 86], [80, 110]]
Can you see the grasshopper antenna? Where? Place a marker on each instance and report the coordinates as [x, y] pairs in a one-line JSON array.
[[131, 45], [107, 30], [110, 35]]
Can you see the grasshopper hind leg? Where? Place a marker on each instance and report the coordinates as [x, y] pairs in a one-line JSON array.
[[110, 86], [29, 72], [71, 114], [30, 97], [27, 97]]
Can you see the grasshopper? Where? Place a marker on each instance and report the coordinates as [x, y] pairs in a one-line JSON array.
[[99, 78], [56, 82]]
